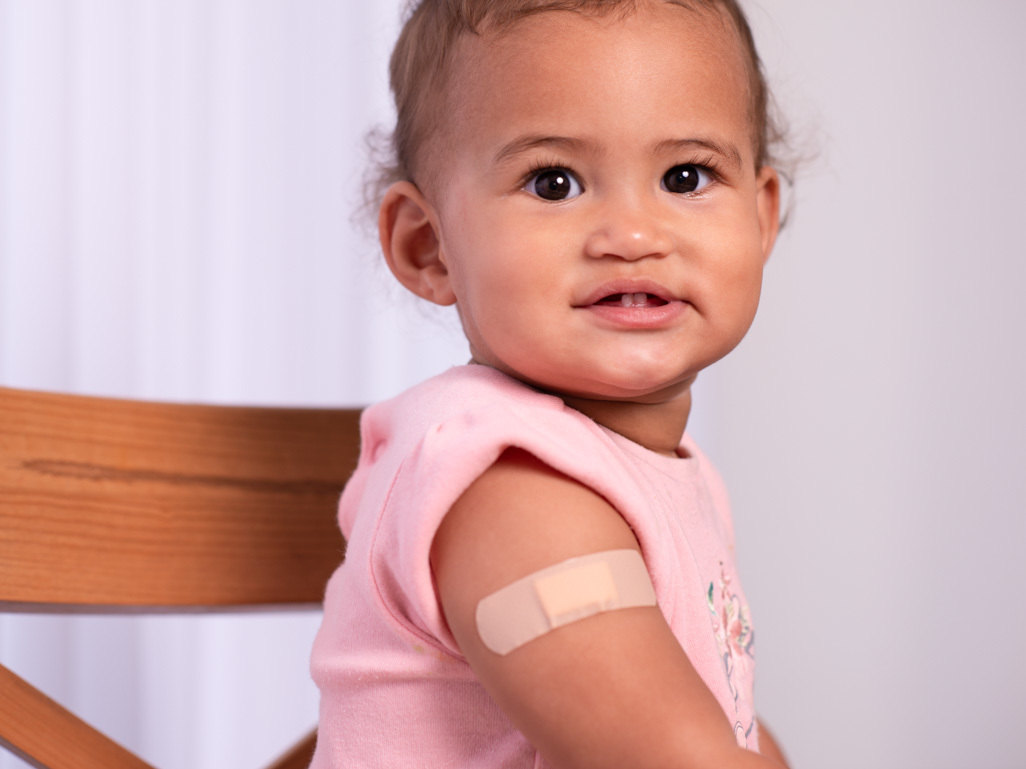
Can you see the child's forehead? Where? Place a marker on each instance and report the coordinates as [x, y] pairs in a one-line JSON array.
[[554, 35], [543, 63], [694, 20], [547, 53]]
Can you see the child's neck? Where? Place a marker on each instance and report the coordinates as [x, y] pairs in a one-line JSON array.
[[656, 426]]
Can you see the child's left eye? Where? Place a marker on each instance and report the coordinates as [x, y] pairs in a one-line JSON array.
[[685, 178], [554, 184]]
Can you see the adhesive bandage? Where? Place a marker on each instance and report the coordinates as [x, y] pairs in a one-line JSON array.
[[561, 594]]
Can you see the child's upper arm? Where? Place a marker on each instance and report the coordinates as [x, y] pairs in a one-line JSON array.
[[615, 689]]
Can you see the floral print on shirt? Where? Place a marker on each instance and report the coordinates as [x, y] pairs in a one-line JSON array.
[[735, 637]]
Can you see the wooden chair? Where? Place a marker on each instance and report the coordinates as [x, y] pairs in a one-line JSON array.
[[120, 506]]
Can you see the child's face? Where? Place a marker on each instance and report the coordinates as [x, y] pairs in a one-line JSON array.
[[629, 114]]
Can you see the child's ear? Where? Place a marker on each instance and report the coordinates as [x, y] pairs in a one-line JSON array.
[[408, 229], [768, 202]]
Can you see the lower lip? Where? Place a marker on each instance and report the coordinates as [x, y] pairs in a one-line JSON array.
[[656, 317]]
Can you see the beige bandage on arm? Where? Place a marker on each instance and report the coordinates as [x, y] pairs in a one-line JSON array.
[[561, 594]]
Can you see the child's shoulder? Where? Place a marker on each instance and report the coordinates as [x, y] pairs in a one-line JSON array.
[[459, 389], [475, 412], [432, 441], [464, 404]]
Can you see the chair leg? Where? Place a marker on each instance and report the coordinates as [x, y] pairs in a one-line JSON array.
[[299, 756], [48, 736]]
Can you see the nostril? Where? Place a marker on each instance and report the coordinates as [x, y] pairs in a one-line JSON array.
[[628, 243]]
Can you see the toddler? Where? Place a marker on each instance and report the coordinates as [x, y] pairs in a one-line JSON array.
[[540, 569]]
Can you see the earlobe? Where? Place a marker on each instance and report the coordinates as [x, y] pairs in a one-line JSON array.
[[768, 202], [407, 228]]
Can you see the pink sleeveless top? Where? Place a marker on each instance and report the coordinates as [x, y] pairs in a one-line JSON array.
[[395, 690]]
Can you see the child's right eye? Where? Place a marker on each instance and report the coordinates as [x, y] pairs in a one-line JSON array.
[[554, 184]]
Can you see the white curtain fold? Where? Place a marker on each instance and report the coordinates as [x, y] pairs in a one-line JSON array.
[[176, 182]]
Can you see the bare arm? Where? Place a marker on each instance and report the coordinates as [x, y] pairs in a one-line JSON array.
[[769, 748], [612, 690]]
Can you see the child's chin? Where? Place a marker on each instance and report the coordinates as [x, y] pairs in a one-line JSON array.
[[638, 382], [641, 382], [633, 389]]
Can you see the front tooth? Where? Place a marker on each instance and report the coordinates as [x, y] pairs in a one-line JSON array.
[[627, 300], [639, 299]]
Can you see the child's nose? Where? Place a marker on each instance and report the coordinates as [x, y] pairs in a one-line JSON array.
[[628, 232]]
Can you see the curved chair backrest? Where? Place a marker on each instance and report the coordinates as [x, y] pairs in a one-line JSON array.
[[124, 506]]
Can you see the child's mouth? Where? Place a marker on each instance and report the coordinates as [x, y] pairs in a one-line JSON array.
[[639, 299]]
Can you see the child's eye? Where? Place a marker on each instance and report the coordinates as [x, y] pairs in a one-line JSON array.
[[685, 178], [554, 184]]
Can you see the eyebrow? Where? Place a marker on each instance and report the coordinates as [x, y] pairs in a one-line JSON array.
[[521, 144], [524, 143], [728, 152]]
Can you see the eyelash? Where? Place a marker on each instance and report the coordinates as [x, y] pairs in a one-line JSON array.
[[707, 165], [537, 168]]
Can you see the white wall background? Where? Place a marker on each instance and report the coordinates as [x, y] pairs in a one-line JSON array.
[[176, 180]]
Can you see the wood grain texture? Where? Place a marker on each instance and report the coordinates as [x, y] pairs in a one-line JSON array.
[[40, 731], [123, 504], [115, 505]]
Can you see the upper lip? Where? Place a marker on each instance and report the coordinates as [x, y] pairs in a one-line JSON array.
[[628, 286]]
